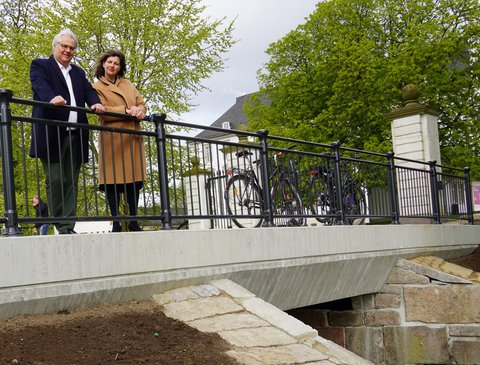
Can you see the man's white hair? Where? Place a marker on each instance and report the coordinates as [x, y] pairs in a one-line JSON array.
[[65, 33]]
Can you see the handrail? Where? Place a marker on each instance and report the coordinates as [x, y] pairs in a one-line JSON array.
[[174, 178]]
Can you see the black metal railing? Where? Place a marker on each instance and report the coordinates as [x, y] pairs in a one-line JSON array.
[[190, 178]]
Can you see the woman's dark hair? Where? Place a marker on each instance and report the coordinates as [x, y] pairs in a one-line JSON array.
[[100, 71]]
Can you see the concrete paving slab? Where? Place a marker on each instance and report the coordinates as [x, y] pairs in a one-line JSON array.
[[228, 322], [260, 336], [201, 308], [232, 289], [279, 319], [206, 290], [280, 355], [176, 295]]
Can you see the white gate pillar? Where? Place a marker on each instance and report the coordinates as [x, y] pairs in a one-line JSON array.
[[415, 137], [197, 195]]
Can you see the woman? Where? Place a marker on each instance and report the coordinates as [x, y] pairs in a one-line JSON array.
[[121, 156]]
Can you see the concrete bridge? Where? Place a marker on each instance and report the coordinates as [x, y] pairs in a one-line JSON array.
[[287, 267]]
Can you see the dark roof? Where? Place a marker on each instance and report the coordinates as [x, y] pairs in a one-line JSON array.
[[234, 116]]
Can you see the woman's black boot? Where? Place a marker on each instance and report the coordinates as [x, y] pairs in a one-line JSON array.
[[134, 227], [113, 198], [132, 200]]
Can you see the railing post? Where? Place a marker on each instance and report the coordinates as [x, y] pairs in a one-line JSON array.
[[392, 184], [6, 149], [265, 178], [338, 184], [434, 191], [159, 120], [468, 195]]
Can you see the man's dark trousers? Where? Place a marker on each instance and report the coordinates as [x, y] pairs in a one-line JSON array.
[[62, 181]]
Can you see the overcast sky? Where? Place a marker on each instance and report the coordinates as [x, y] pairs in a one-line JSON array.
[[258, 24]]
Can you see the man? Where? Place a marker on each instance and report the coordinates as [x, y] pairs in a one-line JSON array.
[[41, 210], [61, 150]]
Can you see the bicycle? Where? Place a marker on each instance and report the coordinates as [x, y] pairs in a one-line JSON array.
[[322, 196], [244, 195]]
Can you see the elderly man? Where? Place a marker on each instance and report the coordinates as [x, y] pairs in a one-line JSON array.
[[62, 150]]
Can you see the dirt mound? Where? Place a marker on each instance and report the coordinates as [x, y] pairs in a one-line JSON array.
[[130, 333]]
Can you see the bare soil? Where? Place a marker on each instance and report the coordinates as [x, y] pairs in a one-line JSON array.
[[130, 333]]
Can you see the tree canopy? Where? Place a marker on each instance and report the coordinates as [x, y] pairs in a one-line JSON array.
[[171, 47], [334, 77]]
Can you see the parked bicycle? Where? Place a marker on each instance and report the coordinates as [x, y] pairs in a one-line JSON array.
[[323, 196], [244, 194]]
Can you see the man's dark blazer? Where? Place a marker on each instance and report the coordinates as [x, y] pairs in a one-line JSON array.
[[47, 82]]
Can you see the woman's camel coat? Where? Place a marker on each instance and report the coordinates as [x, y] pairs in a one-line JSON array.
[[121, 156]]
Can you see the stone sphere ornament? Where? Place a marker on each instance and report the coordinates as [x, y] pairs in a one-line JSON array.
[[410, 94]]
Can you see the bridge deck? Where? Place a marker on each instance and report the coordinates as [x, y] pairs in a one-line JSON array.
[[288, 267]]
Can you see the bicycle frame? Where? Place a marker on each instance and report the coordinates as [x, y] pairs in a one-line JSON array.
[[352, 197], [243, 193]]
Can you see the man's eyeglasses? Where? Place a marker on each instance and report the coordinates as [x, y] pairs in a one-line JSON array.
[[65, 47]]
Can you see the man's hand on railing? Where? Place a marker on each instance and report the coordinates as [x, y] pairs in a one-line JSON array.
[[98, 108], [58, 100]]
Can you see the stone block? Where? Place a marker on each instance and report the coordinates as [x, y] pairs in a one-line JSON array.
[[334, 334], [402, 276], [260, 336], [464, 331], [437, 272], [232, 289], [228, 322], [366, 343], [279, 318], [339, 352], [176, 295], [364, 302], [392, 289], [201, 308], [289, 354], [387, 301], [346, 318], [415, 345], [382, 318], [466, 351], [316, 318], [443, 304]]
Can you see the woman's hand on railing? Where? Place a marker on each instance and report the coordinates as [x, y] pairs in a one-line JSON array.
[[135, 112]]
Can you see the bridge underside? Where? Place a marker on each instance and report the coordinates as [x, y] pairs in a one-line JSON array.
[[288, 267]]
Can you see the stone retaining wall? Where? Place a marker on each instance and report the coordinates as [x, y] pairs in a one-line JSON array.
[[428, 312]]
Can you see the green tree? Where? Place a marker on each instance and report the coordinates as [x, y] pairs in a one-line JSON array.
[[335, 76], [171, 47]]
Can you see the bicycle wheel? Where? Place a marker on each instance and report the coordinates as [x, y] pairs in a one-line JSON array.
[[287, 203], [354, 202], [321, 204], [243, 198]]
